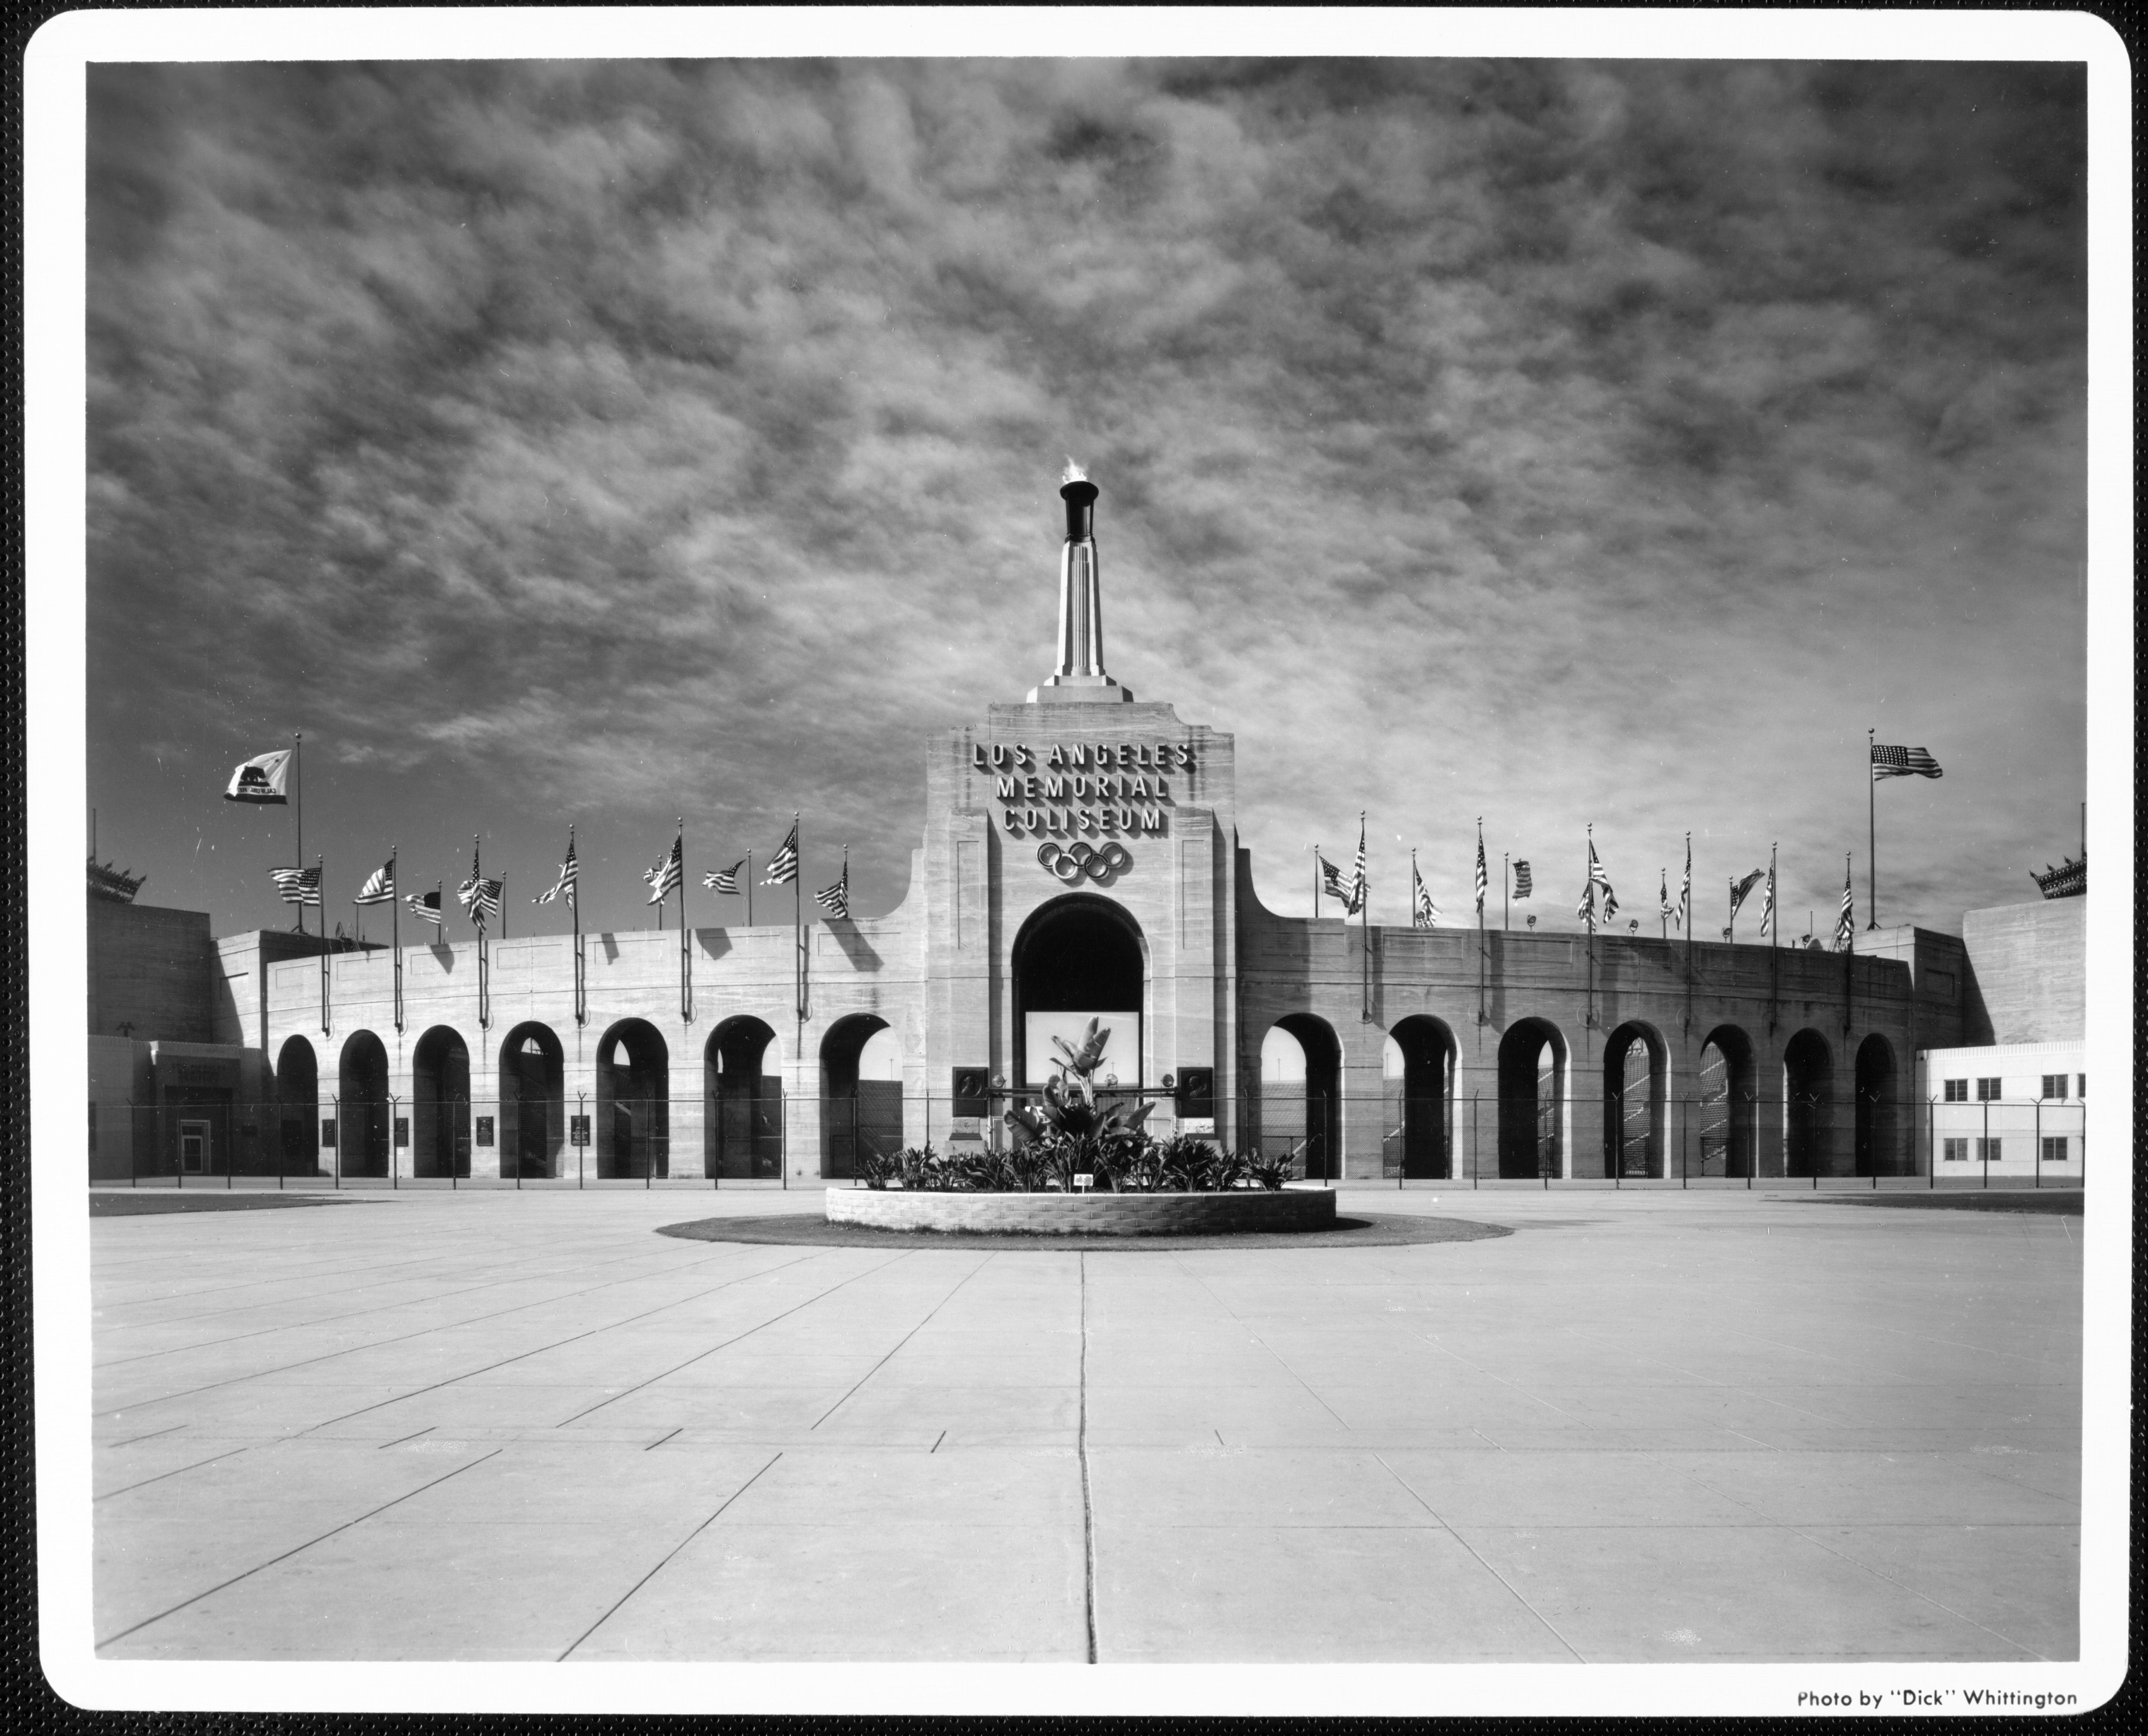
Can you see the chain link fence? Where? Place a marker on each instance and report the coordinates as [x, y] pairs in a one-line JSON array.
[[758, 1136]]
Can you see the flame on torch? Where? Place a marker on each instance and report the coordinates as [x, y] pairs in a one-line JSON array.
[[1072, 473]]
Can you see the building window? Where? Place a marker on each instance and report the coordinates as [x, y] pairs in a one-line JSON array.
[[1957, 1091], [1987, 1151], [2080, 1085], [2055, 1086], [1954, 1151], [2055, 1149], [1987, 1090]]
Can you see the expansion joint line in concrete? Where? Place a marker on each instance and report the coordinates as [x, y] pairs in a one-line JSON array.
[[333, 1530], [902, 1341], [525, 1355], [669, 1558], [1231, 1314], [449, 1326], [818, 1296], [1512, 1591], [1081, 1451], [182, 1470]]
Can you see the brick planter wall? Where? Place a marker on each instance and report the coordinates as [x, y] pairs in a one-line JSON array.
[[1092, 1214]]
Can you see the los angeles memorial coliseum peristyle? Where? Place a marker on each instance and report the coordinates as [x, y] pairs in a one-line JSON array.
[[1080, 859]]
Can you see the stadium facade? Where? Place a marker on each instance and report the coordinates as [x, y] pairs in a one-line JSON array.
[[1080, 859]]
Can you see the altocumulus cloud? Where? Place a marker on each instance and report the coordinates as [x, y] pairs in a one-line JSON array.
[[1554, 442]]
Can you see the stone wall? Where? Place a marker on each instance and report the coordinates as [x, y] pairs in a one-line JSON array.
[[2031, 969]]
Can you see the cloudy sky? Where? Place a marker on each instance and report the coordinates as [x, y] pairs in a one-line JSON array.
[[1556, 443]]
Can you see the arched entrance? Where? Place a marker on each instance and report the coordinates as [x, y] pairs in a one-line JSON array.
[[1636, 1065], [634, 1102], [1532, 1099], [1879, 1135], [742, 1133], [1808, 1104], [1426, 1118], [1078, 958], [298, 1101], [861, 1093], [533, 1107], [362, 1105], [1300, 1094], [1729, 1104], [440, 1104]]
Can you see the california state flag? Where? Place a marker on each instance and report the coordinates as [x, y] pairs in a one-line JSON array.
[[260, 779]]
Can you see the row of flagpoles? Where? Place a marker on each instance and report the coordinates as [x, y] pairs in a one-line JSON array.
[[1517, 884]]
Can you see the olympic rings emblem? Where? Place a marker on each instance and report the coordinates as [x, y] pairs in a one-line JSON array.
[[1072, 864]]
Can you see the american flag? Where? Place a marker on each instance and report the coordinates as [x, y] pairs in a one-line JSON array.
[[425, 905], [1685, 886], [1483, 882], [665, 877], [379, 887], [1845, 922], [1903, 762], [1523, 885], [1768, 909], [1739, 888], [1423, 912], [569, 870], [1664, 897], [724, 880], [836, 899], [1586, 909], [481, 898], [783, 865], [298, 886], [1350, 892]]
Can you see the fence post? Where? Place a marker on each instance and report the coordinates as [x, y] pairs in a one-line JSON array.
[[2039, 1141], [336, 1107], [581, 1108], [1473, 1142], [395, 1162], [1931, 1144], [1986, 1142]]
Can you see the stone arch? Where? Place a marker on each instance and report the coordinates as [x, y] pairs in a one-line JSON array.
[[440, 1104], [1426, 1120], [742, 1133], [858, 1114], [1532, 1099], [633, 1122], [299, 1101], [533, 1101], [1636, 1084], [1077, 957], [1808, 1104], [1729, 1120], [362, 1110], [1879, 1140], [1301, 1100]]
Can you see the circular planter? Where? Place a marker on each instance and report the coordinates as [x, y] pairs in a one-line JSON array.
[[1242, 1211]]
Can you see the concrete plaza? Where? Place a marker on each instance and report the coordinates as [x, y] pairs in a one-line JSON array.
[[1647, 1425]]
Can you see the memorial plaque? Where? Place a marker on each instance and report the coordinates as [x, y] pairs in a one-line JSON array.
[[402, 1130], [484, 1129], [328, 1136], [578, 1130]]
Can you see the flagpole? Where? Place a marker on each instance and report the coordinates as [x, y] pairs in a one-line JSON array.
[[686, 954], [1315, 849], [298, 811], [1506, 893], [1872, 834], [1774, 940], [798, 926], [502, 906], [395, 924], [749, 889], [1588, 913], [320, 875], [1731, 932], [575, 909]]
